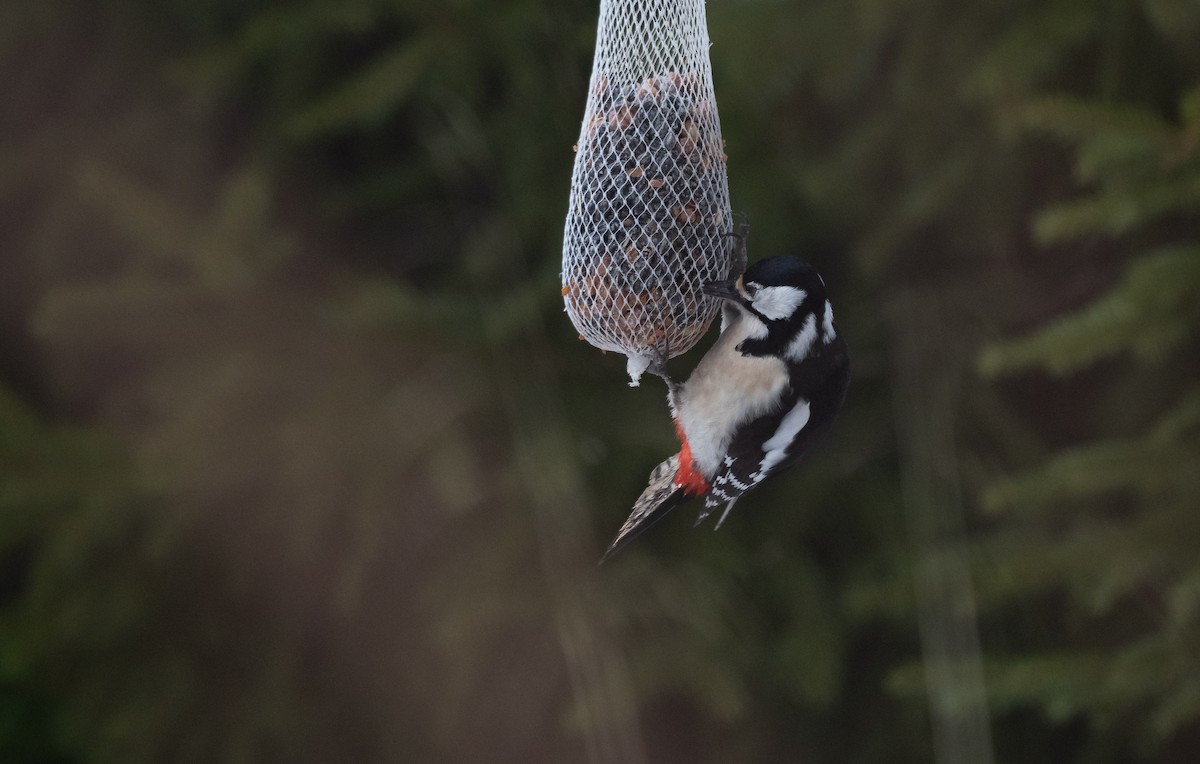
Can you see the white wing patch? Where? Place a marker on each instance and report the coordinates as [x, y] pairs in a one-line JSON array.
[[778, 302], [827, 326], [776, 447], [798, 348]]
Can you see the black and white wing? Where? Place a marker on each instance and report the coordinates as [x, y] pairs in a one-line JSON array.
[[773, 442], [760, 449]]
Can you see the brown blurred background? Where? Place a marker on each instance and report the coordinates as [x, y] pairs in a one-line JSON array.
[[300, 460]]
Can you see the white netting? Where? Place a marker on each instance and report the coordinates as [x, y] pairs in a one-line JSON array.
[[649, 205]]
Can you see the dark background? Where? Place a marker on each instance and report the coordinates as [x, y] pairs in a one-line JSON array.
[[300, 460]]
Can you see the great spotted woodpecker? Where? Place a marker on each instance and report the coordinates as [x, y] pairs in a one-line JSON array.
[[765, 392]]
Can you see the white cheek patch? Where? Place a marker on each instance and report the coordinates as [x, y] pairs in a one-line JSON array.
[[828, 332], [775, 449], [799, 347], [778, 302]]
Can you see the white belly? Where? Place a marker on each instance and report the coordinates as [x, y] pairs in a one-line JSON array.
[[726, 390]]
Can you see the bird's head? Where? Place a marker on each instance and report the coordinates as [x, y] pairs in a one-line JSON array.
[[787, 297]]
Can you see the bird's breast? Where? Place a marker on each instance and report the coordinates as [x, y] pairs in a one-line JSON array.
[[726, 390]]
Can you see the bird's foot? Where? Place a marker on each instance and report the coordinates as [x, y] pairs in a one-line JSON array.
[[740, 234], [658, 367]]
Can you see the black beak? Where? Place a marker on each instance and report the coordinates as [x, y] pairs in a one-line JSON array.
[[726, 290]]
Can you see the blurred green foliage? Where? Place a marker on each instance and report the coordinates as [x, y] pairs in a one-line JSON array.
[[300, 460]]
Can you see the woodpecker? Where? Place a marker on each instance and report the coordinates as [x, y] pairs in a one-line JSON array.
[[762, 396]]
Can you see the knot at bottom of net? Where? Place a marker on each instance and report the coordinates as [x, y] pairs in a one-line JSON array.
[[636, 366]]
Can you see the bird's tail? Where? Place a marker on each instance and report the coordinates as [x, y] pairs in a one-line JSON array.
[[661, 495]]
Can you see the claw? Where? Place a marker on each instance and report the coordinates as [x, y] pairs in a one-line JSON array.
[[658, 363], [741, 233]]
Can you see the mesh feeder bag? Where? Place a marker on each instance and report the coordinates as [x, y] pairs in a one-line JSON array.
[[649, 207]]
